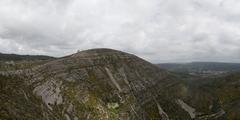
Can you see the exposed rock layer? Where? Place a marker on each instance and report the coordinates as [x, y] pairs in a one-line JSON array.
[[94, 84]]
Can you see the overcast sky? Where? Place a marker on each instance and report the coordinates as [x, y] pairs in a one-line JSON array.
[[157, 30]]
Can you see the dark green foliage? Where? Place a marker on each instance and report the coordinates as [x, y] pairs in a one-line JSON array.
[[201, 67], [18, 102], [110, 85], [15, 57]]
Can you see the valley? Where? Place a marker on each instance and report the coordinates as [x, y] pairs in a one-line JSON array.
[[106, 84]]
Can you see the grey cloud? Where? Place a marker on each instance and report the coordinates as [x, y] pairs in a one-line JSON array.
[[157, 30]]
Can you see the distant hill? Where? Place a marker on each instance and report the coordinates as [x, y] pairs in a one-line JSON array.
[[106, 84], [201, 67], [15, 57], [97, 84]]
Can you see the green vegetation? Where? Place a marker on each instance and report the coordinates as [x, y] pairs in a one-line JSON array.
[[20, 65], [112, 85], [17, 100], [14, 57], [202, 68]]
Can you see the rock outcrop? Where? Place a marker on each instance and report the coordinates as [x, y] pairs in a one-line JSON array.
[[98, 84]]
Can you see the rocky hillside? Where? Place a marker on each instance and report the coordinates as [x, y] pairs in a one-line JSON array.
[[102, 84], [18, 62], [227, 90]]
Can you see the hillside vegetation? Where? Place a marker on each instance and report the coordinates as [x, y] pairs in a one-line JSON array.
[[105, 84]]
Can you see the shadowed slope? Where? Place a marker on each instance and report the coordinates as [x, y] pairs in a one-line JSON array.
[[98, 84]]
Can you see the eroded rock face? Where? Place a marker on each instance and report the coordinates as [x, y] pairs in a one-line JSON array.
[[99, 84]]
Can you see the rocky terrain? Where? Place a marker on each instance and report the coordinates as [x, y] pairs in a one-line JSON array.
[[105, 84]]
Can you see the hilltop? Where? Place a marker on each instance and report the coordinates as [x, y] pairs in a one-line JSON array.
[[103, 84]]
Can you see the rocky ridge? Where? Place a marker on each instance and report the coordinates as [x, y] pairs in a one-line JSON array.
[[96, 84]]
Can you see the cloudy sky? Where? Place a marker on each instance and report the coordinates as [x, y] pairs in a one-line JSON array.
[[157, 30]]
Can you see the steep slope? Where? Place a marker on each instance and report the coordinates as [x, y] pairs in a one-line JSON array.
[[227, 90], [96, 84]]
